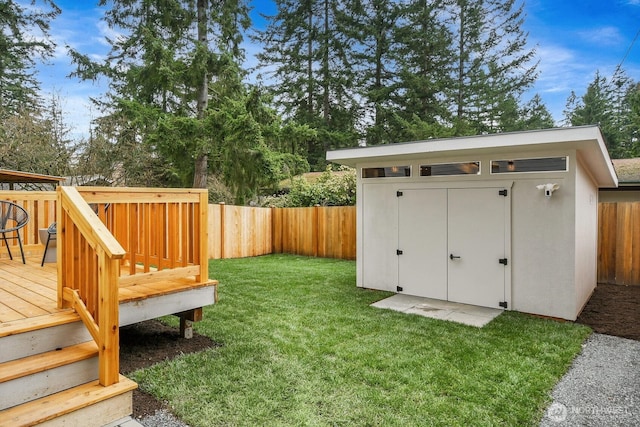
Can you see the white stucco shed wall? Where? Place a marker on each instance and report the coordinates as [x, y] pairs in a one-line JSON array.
[[552, 242], [543, 251]]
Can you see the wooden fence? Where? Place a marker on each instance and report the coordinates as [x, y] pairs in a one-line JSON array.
[[237, 231], [328, 232], [331, 232], [619, 243]]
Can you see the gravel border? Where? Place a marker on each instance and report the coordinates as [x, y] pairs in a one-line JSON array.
[[601, 388], [162, 418]]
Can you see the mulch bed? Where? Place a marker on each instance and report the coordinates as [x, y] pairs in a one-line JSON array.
[[612, 310], [147, 343]]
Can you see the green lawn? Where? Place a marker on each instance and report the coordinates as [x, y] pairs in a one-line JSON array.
[[302, 347]]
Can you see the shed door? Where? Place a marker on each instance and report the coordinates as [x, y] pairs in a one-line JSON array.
[[422, 269], [476, 229], [452, 241]]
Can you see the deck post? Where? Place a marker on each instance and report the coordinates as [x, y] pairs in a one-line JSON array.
[[109, 365], [203, 236], [186, 328], [187, 318]]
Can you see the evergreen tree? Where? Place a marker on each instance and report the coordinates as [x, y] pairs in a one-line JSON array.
[[533, 115], [305, 47], [633, 100], [370, 25], [536, 115], [24, 37], [163, 64], [424, 60], [597, 107], [492, 62]]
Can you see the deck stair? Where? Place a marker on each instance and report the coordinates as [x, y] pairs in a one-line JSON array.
[[48, 375]]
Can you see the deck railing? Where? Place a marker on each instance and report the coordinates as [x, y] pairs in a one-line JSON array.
[[41, 206], [115, 237], [163, 231], [88, 272]]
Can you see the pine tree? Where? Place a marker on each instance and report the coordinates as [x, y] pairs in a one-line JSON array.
[[424, 60], [633, 100], [535, 115], [369, 25], [163, 64], [492, 61], [613, 105], [24, 37], [305, 50]]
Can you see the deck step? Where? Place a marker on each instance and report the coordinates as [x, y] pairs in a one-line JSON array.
[[40, 335], [86, 405], [43, 374], [20, 326]]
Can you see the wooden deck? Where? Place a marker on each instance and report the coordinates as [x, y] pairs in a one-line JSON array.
[[28, 294], [124, 255], [27, 291]]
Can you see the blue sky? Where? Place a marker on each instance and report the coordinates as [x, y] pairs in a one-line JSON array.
[[572, 39]]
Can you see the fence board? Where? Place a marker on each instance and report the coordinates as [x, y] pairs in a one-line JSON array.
[[240, 231], [619, 243]]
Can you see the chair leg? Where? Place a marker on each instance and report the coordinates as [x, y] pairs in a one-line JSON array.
[[20, 244], [7, 245], [46, 246]]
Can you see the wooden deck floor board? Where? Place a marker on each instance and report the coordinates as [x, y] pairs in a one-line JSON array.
[[30, 291], [7, 314], [35, 293]]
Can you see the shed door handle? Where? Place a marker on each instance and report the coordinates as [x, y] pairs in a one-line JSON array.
[[452, 256]]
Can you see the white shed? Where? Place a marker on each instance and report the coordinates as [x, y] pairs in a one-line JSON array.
[[506, 220]]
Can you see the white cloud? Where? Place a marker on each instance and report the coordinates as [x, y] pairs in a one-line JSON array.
[[85, 33], [603, 36]]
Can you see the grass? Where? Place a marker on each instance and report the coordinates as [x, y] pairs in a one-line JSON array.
[[301, 346]]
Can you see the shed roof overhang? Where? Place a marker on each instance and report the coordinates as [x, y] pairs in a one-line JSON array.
[[587, 140], [13, 177]]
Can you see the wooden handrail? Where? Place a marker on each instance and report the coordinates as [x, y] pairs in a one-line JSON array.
[[88, 274], [89, 224]]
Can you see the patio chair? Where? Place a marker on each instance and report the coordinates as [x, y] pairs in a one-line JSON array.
[[52, 231], [12, 219], [52, 234]]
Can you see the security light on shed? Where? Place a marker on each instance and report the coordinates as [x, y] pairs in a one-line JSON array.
[[548, 188]]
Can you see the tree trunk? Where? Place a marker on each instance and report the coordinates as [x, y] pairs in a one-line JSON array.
[[310, 87], [325, 67], [201, 171], [461, 58], [202, 161]]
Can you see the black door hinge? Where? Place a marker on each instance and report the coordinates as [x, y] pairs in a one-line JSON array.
[[399, 193], [503, 193], [399, 288], [503, 304], [503, 261], [398, 252]]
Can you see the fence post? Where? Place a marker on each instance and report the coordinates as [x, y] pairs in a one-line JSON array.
[[314, 233], [273, 230], [222, 209]]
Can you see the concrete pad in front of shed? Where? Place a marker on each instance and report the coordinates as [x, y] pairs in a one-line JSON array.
[[471, 315]]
